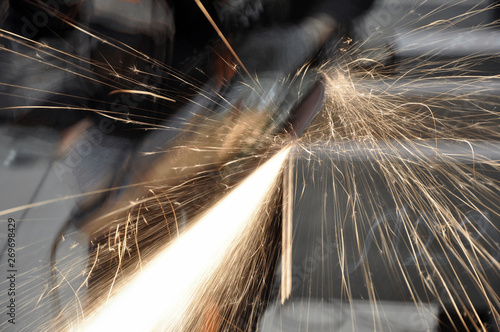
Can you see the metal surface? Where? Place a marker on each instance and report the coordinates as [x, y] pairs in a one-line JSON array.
[[339, 258]]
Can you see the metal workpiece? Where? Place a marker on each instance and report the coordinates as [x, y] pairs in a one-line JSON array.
[[314, 315], [426, 151], [427, 87], [411, 229]]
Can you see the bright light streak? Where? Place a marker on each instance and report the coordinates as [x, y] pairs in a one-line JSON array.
[[159, 296]]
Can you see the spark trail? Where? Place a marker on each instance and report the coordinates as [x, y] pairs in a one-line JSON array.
[[174, 281]]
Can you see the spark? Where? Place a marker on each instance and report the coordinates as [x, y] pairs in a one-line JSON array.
[[221, 35], [139, 92], [169, 282]]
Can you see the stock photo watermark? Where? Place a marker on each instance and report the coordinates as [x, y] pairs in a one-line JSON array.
[[11, 271]]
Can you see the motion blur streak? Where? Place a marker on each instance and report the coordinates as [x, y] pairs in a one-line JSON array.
[[165, 289]]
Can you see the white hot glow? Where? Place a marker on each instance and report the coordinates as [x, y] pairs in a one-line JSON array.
[[160, 295]]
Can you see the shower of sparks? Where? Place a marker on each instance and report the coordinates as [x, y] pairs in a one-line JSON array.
[[433, 191], [172, 280], [213, 277], [287, 232]]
